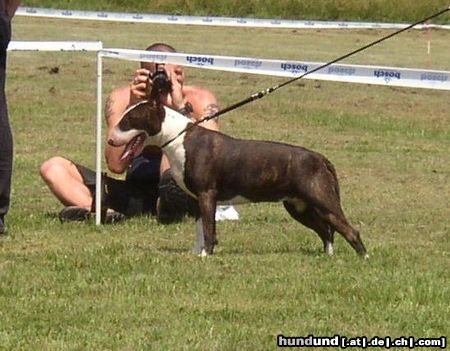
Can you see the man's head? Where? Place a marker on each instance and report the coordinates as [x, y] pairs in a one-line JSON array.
[[172, 70]]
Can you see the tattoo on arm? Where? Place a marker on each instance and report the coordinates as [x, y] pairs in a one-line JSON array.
[[210, 109], [108, 108]]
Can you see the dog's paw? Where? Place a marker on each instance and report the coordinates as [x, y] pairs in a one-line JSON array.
[[204, 253]]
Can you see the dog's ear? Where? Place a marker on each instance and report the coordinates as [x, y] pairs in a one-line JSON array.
[[153, 94], [157, 115], [156, 105]]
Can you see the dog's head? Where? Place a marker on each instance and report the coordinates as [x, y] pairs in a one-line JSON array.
[[136, 128]]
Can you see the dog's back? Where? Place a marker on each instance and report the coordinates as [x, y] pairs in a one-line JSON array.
[[255, 170]]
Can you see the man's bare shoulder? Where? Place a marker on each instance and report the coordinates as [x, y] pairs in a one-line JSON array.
[[197, 93], [204, 104]]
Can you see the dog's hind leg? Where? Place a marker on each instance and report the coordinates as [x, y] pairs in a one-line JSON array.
[[330, 212], [323, 195], [309, 218], [338, 221]]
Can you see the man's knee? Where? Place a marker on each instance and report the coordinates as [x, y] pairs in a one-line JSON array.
[[52, 168]]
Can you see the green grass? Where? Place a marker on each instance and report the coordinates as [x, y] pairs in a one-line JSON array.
[[136, 286]]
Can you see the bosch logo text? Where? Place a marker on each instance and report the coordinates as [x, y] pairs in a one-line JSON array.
[[387, 75], [294, 67], [153, 57], [341, 71], [201, 61], [247, 63], [434, 77]]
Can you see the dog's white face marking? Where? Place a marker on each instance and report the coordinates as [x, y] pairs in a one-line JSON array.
[[119, 137]]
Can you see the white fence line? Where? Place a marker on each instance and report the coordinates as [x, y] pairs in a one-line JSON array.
[[55, 46], [211, 20]]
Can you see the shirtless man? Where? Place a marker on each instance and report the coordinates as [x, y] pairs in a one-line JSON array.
[[148, 187]]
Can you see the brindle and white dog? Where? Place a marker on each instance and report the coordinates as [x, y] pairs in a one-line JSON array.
[[215, 168]]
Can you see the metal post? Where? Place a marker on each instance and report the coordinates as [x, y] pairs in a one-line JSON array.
[[98, 160]]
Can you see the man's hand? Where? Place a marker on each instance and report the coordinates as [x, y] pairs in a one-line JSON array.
[[139, 85]]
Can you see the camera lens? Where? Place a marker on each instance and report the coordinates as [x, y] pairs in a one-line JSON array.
[[161, 81]]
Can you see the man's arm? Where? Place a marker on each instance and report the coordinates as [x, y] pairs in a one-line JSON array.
[[116, 104], [11, 7], [204, 104], [209, 110]]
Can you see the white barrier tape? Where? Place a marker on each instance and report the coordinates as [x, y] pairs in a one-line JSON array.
[[210, 21], [55, 46], [380, 75]]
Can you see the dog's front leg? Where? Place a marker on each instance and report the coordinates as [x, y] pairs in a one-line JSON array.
[[200, 237], [207, 205]]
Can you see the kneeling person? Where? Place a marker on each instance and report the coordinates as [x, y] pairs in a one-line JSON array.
[[148, 186]]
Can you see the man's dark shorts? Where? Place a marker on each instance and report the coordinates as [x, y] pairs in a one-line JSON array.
[[137, 194]]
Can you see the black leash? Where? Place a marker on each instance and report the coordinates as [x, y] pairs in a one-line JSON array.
[[270, 90]]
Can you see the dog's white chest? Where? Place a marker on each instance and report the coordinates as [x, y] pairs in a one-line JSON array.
[[177, 159], [175, 151]]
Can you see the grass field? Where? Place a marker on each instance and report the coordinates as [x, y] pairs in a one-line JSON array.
[[135, 286]]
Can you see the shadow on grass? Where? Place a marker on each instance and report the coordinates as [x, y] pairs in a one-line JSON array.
[[267, 251], [249, 251], [174, 250], [50, 215]]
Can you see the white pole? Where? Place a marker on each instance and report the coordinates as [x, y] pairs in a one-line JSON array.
[[98, 164]]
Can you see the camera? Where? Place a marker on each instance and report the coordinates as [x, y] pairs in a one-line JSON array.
[[161, 81]]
